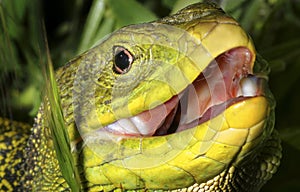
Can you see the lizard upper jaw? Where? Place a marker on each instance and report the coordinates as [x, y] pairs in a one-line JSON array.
[[225, 81]]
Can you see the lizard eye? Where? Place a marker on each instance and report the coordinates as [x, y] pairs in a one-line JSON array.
[[123, 60]]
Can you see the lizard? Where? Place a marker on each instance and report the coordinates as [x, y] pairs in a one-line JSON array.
[[178, 104]]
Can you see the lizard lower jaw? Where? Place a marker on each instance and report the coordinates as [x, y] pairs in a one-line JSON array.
[[227, 80]]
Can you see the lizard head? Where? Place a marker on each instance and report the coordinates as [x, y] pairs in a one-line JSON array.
[[167, 104]]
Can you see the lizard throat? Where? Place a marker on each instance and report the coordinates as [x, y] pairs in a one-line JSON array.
[[225, 81]]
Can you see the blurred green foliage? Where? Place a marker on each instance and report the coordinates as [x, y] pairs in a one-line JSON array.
[[73, 26]]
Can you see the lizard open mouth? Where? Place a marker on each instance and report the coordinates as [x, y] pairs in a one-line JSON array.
[[225, 81]]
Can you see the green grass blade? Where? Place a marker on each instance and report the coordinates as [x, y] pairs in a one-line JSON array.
[[59, 130], [91, 26]]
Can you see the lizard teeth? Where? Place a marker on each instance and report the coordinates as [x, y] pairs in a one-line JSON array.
[[123, 126], [248, 86], [145, 123]]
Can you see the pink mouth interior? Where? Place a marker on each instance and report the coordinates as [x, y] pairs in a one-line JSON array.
[[217, 87]]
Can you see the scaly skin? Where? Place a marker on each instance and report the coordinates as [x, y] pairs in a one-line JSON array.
[[237, 150]]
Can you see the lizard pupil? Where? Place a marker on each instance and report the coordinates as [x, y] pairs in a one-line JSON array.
[[122, 60]]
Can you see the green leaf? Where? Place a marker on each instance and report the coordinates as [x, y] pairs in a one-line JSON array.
[[168, 3], [106, 27], [180, 4], [91, 26], [58, 129], [129, 12]]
